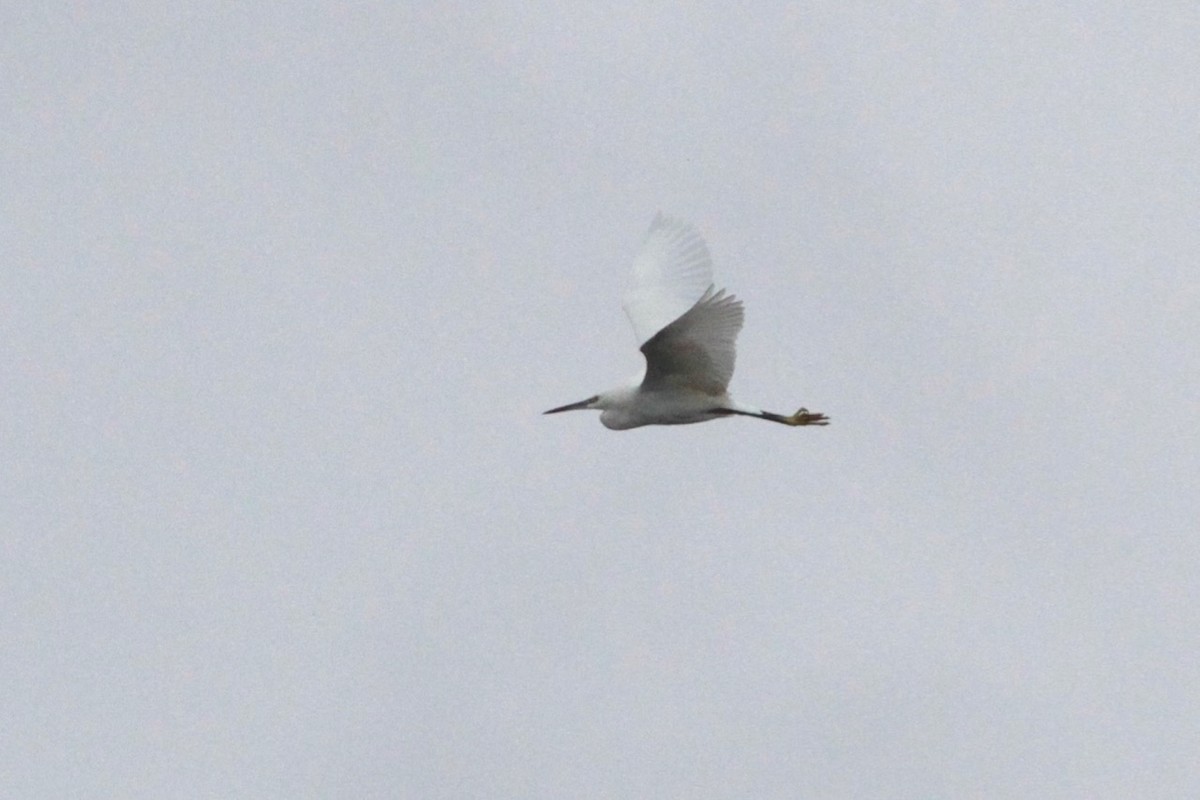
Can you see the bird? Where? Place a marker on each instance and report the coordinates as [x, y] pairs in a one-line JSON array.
[[687, 329]]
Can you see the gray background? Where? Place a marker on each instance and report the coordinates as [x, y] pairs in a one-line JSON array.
[[284, 291]]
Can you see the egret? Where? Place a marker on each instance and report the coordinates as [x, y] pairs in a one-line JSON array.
[[686, 329]]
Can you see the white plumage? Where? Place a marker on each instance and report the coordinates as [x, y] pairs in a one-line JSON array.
[[687, 330]]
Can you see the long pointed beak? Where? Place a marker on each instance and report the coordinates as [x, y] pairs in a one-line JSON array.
[[582, 404]]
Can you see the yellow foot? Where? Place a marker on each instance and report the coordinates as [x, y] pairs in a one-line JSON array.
[[804, 417]]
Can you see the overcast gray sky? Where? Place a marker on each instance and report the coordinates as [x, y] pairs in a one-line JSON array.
[[284, 290]]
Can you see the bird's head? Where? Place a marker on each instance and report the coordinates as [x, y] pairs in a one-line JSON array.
[[618, 407]]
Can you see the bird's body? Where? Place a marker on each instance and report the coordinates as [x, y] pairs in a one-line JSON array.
[[633, 407], [687, 331]]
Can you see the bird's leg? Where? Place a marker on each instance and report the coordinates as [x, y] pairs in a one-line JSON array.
[[801, 417]]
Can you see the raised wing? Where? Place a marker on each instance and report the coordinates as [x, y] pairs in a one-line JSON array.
[[696, 351], [670, 273]]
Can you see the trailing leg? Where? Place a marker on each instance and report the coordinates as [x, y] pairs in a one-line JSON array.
[[801, 417]]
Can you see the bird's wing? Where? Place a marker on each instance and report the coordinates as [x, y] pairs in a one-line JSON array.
[[696, 351], [670, 273]]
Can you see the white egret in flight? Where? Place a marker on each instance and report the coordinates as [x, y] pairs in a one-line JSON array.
[[686, 328]]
